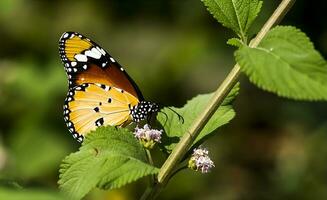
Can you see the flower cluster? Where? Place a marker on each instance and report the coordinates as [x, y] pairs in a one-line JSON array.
[[147, 136], [200, 160]]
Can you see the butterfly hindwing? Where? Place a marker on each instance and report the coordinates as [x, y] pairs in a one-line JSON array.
[[90, 105], [87, 62]]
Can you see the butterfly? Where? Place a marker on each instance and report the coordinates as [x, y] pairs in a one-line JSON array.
[[100, 92]]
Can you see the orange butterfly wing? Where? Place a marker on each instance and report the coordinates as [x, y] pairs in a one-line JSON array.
[[87, 62], [100, 91], [89, 105]]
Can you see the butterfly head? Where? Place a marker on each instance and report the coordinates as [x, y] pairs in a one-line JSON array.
[[143, 109]]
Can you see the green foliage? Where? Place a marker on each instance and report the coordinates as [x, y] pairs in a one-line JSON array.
[[35, 146], [174, 128], [237, 15], [33, 155], [108, 158], [287, 64], [20, 194], [235, 42]]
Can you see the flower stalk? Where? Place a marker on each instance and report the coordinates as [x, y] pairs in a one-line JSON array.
[[219, 95]]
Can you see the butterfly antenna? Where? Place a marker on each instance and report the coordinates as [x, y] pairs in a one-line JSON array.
[[180, 117], [165, 116]]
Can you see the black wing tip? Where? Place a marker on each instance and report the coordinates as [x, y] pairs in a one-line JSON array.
[[67, 34]]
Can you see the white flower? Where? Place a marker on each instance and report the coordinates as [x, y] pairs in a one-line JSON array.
[[147, 136], [200, 152], [200, 160]]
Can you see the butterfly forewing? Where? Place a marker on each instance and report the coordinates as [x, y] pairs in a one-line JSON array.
[[87, 62]]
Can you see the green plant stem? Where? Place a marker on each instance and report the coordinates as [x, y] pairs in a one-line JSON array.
[[148, 155], [152, 179], [218, 97], [186, 141]]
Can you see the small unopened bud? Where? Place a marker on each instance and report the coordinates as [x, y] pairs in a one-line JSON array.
[[200, 160], [147, 136]]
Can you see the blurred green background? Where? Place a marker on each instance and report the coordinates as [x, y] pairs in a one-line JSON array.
[[274, 148]]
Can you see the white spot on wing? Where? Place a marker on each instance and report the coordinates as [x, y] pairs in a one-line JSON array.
[[102, 51], [112, 60], [65, 35], [73, 64], [81, 57], [94, 53]]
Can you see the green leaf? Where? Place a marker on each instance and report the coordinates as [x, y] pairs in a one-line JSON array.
[[237, 15], [174, 128], [287, 64], [108, 159], [235, 42], [20, 194]]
